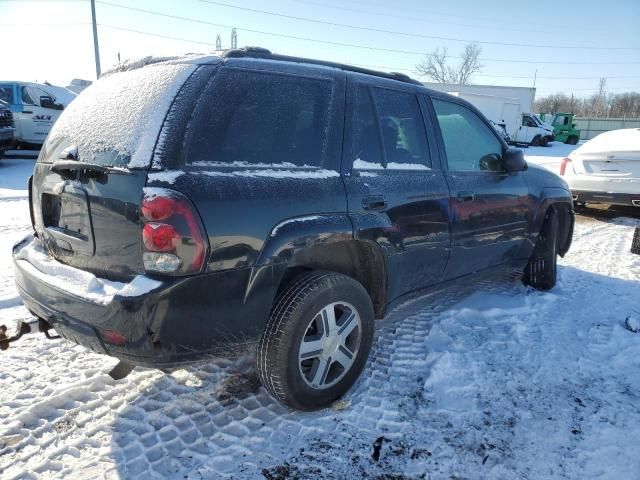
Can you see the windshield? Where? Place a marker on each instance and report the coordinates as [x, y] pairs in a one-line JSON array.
[[6, 93]]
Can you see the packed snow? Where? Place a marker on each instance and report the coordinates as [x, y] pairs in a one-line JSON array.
[[360, 164], [493, 380], [170, 176], [35, 261]]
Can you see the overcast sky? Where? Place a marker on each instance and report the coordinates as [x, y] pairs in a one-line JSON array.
[[52, 40]]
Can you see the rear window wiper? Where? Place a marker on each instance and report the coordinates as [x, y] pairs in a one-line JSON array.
[[66, 167]]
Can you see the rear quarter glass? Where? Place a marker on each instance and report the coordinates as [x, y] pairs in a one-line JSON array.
[[247, 118], [116, 121]]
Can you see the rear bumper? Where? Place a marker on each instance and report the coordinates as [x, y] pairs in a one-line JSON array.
[[606, 198], [612, 186], [179, 322]]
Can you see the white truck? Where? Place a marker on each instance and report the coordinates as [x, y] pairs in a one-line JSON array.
[[507, 106], [35, 108]]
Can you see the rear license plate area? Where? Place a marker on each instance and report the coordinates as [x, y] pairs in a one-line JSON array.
[[67, 220]]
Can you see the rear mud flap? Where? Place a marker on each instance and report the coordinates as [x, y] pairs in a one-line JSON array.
[[121, 370]]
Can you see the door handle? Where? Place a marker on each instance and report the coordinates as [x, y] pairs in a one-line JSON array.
[[377, 202], [466, 196], [29, 112]]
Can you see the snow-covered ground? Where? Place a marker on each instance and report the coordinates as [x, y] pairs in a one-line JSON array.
[[493, 381]]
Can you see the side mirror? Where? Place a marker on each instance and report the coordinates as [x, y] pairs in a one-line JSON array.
[[514, 160], [47, 102]]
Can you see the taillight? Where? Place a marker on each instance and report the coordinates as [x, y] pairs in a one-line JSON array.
[[160, 237], [173, 238], [563, 165]]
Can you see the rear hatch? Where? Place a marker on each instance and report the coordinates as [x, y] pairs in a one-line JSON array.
[[89, 179], [614, 154], [610, 164]]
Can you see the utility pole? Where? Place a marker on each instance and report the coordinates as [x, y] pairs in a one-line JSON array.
[[218, 43], [96, 49], [535, 75]]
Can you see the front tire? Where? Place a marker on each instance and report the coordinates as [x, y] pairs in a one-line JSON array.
[[317, 340], [572, 140], [541, 271], [535, 142]]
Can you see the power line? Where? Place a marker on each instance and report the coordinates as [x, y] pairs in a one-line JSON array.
[[155, 34], [432, 14], [44, 24], [504, 76], [327, 42], [406, 34]]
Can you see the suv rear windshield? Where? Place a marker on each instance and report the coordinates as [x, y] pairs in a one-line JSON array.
[[252, 118], [116, 121]]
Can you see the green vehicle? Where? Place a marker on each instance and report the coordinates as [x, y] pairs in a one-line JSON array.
[[564, 130]]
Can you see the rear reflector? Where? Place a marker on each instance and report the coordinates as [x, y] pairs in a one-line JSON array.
[[563, 166], [172, 234], [113, 337]]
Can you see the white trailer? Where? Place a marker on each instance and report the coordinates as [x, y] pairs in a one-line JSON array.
[[510, 106]]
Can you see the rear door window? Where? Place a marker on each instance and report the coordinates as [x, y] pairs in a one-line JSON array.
[[389, 131], [251, 118], [404, 137]]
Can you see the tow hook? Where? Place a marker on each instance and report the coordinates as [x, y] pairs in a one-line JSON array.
[[31, 325]]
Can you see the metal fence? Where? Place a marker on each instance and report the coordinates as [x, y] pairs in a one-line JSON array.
[[592, 126]]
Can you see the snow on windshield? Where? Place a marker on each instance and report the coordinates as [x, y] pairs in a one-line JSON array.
[[122, 113]]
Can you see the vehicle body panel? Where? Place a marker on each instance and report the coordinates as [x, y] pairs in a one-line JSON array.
[[490, 211], [411, 226]]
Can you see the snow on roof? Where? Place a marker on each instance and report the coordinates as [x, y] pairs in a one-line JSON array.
[[123, 112], [136, 63], [624, 140]]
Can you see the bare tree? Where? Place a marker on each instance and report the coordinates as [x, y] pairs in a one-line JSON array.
[[435, 67], [470, 63], [601, 104]]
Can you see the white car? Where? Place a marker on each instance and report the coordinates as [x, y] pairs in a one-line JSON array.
[[606, 169]]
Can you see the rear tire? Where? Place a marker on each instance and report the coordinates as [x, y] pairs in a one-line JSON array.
[[541, 271], [572, 140], [317, 340]]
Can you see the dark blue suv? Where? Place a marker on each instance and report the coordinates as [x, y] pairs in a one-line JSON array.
[[253, 202]]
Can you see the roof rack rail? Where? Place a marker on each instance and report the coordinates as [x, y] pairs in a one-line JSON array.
[[263, 53]]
